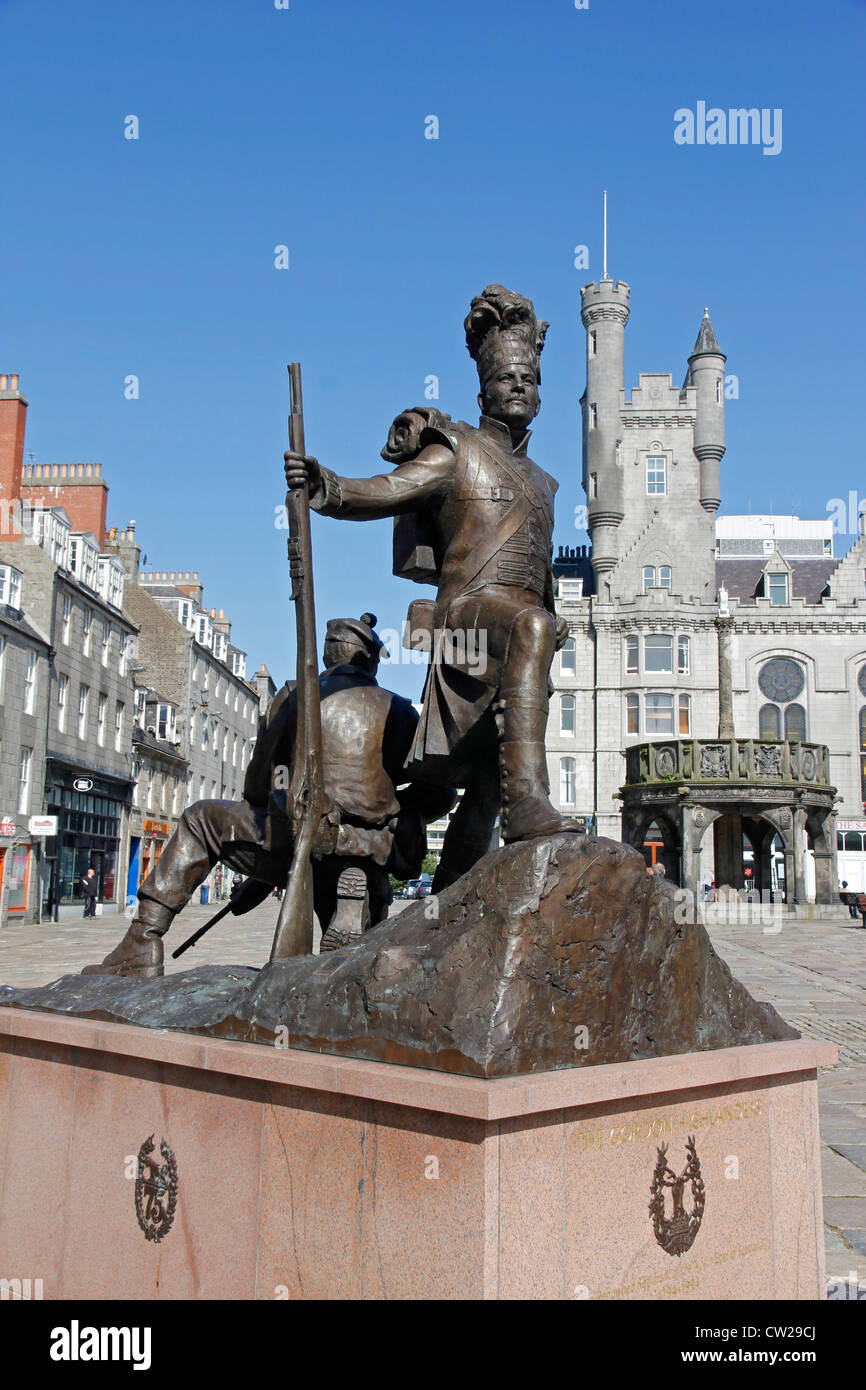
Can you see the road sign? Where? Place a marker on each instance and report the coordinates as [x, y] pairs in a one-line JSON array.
[[7, 826], [42, 825]]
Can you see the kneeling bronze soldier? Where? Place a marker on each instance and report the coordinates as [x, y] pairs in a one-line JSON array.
[[370, 828]]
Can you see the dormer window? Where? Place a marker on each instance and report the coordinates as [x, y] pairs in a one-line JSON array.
[[777, 589], [220, 643], [84, 561], [10, 586], [239, 664], [185, 613], [166, 722], [570, 590], [203, 630]]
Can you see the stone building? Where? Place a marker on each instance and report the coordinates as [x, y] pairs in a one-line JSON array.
[[643, 604], [72, 596], [123, 699], [196, 712]]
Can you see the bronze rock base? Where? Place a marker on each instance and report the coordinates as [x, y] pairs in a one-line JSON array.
[[557, 952]]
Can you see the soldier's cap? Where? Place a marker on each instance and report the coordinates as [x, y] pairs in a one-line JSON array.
[[356, 631]]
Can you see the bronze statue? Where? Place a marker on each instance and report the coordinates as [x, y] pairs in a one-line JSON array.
[[484, 511], [370, 828]]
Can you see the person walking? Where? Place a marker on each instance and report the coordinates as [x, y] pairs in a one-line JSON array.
[[90, 889]]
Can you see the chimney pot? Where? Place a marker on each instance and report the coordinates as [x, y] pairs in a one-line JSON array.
[[4, 381], [13, 382]]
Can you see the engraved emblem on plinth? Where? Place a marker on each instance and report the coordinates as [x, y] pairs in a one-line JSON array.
[[155, 1190], [676, 1233]]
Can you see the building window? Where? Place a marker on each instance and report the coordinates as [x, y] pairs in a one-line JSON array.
[[863, 755], [106, 640], [659, 714], [149, 799], [770, 722], [570, 590], [215, 737], [88, 627], [30, 682], [567, 781], [632, 714], [658, 652], [567, 714], [220, 644], [656, 482], [593, 343], [235, 751], [649, 577], [593, 417], [100, 719], [685, 715], [119, 711], [664, 581], [184, 612], [203, 731], [83, 704], [202, 789], [121, 653], [166, 722], [631, 655], [568, 658], [175, 799], [593, 486], [683, 655], [239, 664], [140, 706], [10, 586], [62, 702], [67, 619], [778, 589], [795, 722], [24, 781]]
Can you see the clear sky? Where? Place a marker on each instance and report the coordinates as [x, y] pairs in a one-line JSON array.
[[305, 127]]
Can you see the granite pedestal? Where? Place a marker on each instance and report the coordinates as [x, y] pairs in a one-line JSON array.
[[306, 1176]]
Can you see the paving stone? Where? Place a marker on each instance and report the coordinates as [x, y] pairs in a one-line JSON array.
[[840, 1176]]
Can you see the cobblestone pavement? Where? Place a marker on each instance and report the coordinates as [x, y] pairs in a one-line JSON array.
[[814, 973]]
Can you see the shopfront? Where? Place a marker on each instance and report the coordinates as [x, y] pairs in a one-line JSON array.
[[90, 809], [15, 870]]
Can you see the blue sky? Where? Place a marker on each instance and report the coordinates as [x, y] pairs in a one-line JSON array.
[[305, 127]]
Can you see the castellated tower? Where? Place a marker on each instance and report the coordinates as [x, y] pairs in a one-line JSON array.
[[707, 375], [604, 312]]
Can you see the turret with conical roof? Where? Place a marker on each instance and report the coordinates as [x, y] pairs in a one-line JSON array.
[[707, 374]]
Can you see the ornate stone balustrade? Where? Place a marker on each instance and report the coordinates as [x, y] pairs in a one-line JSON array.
[[762, 762]]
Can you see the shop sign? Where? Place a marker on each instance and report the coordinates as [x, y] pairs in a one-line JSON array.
[[156, 827], [83, 784], [42, 825], [7, 825]]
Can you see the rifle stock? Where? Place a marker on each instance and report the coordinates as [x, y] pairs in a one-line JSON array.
[[294, 933]]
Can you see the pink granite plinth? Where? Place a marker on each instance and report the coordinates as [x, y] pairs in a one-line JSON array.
[[303, 1176]]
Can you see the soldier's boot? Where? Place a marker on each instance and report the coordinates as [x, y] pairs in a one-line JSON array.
[[527, 811], [140, 952], [352, 915]]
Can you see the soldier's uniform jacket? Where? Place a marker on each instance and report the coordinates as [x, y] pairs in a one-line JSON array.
[[366, 735], [489, 510]]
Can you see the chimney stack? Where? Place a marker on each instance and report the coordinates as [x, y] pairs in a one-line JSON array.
[[13, 418]]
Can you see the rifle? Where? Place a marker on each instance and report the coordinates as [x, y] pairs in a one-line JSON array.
[[306, 799], [247, 895]]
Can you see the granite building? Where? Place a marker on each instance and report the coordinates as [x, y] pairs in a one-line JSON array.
[[643, 599]]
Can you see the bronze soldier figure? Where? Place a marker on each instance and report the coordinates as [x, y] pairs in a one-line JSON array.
[[370, 828], [485, 513]]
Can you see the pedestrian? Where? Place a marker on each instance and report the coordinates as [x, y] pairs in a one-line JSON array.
[[861, 908], [90, 889], [850, 899]]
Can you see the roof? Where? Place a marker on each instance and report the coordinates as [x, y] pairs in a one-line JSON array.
[[706, 340], [809, 577]]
